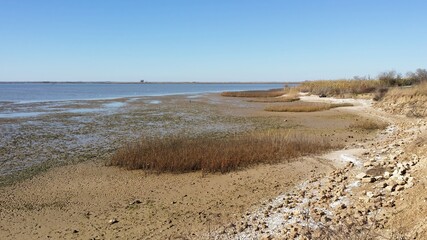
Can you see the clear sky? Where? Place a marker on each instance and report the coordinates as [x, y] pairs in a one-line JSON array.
[[216, 40]]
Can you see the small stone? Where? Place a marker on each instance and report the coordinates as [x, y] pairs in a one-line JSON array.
[[136, 201], [368, 180], [387, 175], [390, 188], [400, 180], [325, 219], [113, 221], [361, 175], [367, 164], [378, 178]]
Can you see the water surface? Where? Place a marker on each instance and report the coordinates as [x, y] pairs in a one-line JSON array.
[[39, 92]]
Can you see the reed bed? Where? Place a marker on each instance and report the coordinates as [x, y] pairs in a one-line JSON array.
[[306, 107], [275, 100], [181, 154], [339, 87], [256, 93], [369, 124]]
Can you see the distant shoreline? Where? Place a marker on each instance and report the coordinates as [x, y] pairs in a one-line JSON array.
[[107, 82]]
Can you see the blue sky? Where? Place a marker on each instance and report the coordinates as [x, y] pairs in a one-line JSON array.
[[221, 40]]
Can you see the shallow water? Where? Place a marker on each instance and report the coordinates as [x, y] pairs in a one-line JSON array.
[[38, 92], [20, 100]]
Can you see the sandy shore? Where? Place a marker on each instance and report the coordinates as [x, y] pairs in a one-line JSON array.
[[89, 200]]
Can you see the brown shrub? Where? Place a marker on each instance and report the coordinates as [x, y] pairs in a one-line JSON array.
[[379, 94], [185, 154], [258, 93], [305, 107]]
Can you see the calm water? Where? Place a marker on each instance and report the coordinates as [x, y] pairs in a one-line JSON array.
[[39, 92], [25, 100]]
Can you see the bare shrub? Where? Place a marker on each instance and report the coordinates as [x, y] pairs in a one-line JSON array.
[[186, 154], [419, 76], [389, 78], [379, 94]]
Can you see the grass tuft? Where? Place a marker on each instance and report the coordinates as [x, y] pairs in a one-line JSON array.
[[369, 124], [185, 154], [256, 94], [306, 107]]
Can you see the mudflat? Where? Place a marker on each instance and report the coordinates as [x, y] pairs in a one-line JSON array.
[[84, 198]]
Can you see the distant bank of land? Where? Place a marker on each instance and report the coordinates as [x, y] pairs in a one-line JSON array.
[[147, 82]]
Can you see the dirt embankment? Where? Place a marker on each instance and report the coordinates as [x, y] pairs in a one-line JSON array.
[[409, 101]]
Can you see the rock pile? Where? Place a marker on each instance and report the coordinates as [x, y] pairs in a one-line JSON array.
[[350, 200]]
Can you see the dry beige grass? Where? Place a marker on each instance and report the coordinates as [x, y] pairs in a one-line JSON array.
[[256, 94], [305, 107], [185, 154], [412, 91], [410, 101], [275, 100], [339, 87], [369, 124]]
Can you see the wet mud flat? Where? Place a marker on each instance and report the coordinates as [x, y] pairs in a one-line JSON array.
[[85, 199], [37, 136]]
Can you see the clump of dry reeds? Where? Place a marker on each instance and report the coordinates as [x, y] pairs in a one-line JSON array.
[[306, 107], [339, 87], [185, 154], [369, 124], [275, 99], [256, 93]]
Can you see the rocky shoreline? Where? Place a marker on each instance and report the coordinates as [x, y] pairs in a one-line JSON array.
[[356, 199]]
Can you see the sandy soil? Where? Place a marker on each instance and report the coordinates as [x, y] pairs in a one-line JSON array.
[[91, 201], [79, 201]]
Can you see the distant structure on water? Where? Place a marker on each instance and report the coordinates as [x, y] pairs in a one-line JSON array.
[[142, 81]]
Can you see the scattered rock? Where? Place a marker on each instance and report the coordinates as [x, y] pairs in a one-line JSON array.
[[361, 175], [136, 201], [113, 221]]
